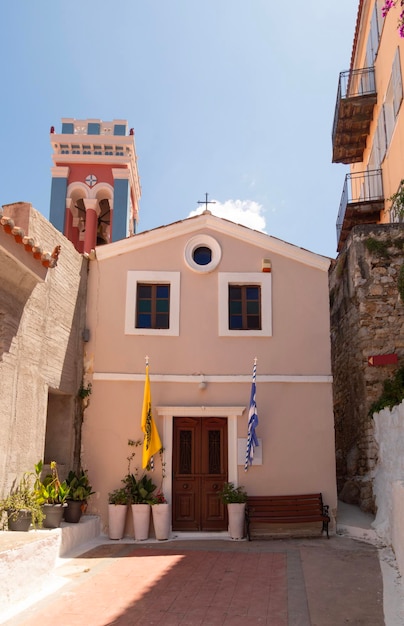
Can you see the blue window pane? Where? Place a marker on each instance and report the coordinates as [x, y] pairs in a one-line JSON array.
[[236, 322], [144, 291], [144, 320], [162, 306], [252, 307], [93, 128], [202, 255], [253, 322], [119, 129], [162, 321], [252, 293], [235, 307], [67, 128], [163, 291], [144, 306], [234, 293]]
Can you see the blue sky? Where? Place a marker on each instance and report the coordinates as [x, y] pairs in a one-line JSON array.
[[231, 97]]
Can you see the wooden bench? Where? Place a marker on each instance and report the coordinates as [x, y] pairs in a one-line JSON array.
[[286, 510]]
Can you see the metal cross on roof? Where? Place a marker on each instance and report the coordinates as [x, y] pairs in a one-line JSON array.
[[206, 202]]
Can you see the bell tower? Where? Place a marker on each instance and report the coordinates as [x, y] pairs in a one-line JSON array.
[[95, 182]]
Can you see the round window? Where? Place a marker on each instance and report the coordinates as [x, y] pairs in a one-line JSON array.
[[202, 253]]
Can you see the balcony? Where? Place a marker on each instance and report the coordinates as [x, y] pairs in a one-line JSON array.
[[361, 202], [356, 98]]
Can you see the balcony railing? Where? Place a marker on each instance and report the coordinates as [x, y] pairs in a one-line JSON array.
[[356, 98], [361, 202]]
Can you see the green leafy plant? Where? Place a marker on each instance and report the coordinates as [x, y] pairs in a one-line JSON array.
[[397, 199], [140, 489], [50, 490], [231, 494], [119, 496], [23, 498], [378, 247], [392, 394], [79, 485], [85, 391]]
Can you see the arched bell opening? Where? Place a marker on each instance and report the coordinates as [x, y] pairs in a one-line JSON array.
[[104, 222]]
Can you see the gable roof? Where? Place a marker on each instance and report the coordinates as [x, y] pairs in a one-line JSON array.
[[192, 225]]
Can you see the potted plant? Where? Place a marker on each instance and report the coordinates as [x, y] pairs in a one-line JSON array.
[[21, 506], [79, 492], [141, 497], [118, 501], [235, 498], [161, 516], [51, 494]]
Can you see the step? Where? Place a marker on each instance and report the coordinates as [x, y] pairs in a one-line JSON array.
[[28, 560]]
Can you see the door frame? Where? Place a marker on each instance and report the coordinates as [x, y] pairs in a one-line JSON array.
[[232, 413]]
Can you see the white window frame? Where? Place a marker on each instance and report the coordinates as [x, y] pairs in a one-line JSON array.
[[196, 242], [263, 280], [167, 278]]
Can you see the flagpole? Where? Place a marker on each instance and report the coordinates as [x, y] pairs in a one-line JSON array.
[[151, 442], [252, 440]]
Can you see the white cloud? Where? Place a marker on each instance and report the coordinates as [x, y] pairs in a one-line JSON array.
[[245, 212]]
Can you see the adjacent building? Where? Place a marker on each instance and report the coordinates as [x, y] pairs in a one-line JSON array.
[[367, 309], [43, 283]]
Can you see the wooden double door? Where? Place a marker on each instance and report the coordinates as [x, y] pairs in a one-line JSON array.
[[199, 472]]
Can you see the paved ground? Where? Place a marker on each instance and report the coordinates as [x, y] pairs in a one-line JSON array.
[[298, 582]]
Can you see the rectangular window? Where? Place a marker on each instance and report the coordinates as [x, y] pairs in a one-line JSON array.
[[152, 306], [245, 304], [93, 128], [67, 128], [394, 96], [373, 39], [152, 303], [119, 129], [244, 307]]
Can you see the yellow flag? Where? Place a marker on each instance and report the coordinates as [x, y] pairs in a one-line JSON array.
[[151, 442]]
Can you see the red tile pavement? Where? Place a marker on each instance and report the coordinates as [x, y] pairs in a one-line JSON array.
[[315, 582], [151, 586]]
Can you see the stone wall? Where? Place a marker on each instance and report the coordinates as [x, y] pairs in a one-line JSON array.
[[367, 318], [42, 316]]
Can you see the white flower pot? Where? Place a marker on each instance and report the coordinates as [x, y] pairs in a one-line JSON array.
[[141, 521], [236, 512], [116, 520], [161, 520]]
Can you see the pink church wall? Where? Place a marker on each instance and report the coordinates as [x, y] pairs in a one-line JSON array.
[[294, 392]]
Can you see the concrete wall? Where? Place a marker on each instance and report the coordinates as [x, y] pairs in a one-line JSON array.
[[389, 479], [42, 313], [389, 437]]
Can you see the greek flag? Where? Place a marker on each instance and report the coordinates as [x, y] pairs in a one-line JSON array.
[[252, 440], [151, 442]]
